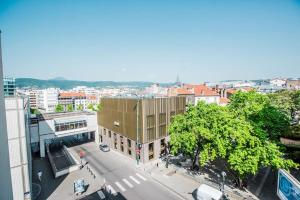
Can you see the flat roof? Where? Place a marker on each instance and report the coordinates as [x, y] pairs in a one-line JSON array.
[[46, 116]]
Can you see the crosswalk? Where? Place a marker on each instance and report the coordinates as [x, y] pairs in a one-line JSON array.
[[122, 186]]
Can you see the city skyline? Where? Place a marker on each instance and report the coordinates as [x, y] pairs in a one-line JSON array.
[[151, 41]]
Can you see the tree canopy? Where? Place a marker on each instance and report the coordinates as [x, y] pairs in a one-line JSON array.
[[59, 108], [242, 134]]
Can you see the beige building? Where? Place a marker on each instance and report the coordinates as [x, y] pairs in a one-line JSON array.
[[126, 122]]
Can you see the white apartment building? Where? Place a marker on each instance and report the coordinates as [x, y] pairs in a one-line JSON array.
[[278, 82], [90, 91], [85, 102], [48, 99], [18, 137], [5, 172]]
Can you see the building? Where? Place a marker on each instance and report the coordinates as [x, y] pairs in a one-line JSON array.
[[9, 86], [5, 172], [18, 137], [278, 82], [131, 125], [33, 99], [68, 99], [78, 101], [49, 128], [47, 99], [293, 84], [204, 93]]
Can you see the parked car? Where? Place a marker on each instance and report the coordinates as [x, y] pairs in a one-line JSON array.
[[205, 192], [104, 147]]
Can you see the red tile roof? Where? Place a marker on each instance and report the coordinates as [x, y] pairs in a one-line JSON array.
[[183, 91], [72, 94], [201, 90]]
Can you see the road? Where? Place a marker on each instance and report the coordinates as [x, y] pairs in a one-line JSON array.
[[123, 179]]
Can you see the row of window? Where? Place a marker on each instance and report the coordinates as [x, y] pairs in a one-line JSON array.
[[70, 125]]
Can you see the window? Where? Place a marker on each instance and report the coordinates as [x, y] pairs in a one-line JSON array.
[[116, 141], [128, 142], [150, 121], [104, 131], [121, 140], [151, 151], [70, 125], [109, 134], [129, 146], [162, 146]]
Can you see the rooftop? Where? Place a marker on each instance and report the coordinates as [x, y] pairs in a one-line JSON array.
[[47, 116]]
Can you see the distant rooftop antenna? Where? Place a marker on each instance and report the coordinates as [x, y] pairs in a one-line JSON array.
[[178, 82], [177, 79]]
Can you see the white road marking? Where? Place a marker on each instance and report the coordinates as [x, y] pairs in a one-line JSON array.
[[141, 177], [101, 195], [111, 190], [137, 182], [120, 186], [127, 183]]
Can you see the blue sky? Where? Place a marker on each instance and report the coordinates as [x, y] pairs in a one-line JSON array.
[[151, 40]]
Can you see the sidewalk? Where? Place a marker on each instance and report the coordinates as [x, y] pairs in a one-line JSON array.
[[62, 187], [179, 181]]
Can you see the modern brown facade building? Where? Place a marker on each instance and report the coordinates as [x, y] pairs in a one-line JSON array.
[[126, 122]]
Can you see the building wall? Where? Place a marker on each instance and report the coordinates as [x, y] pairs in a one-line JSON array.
[[208, 99], [43, 130], [154, 119], [120, 115], [5, 173], [18, 141]]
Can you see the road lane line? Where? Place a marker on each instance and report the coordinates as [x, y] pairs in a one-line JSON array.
[[111, 190], [120, 186], [137, 182], [101, 195], [141, 177], [127, 183]]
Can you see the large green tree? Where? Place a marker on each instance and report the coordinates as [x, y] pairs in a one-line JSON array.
[[211, 131], [268, 121]]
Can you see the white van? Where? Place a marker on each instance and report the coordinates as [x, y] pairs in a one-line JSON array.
[[205, 192]]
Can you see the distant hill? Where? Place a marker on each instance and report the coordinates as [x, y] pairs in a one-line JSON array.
[[69, 84]]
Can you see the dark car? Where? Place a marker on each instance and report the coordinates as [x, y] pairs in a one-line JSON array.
[[104, 148]]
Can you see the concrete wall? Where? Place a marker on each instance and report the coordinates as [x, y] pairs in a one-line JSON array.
[[20, 160], [5, 173], [46, 129], [208, 99]]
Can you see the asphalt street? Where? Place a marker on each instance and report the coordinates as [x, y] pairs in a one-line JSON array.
[[123, 179]]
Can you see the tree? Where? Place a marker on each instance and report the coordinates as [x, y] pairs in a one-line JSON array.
[[80, 107], [283, 100], [59, 108], [95, 107], [209, 131], [70, 108], [268, 121], [90, 106]]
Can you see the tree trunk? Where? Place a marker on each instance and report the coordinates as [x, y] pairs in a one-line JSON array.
[[240, 183], [195, 158]]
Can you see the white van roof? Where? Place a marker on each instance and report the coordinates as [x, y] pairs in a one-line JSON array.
[[206, 192]]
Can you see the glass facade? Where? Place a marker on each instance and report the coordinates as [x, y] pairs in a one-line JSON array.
[[70, 125], [9, 86]]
